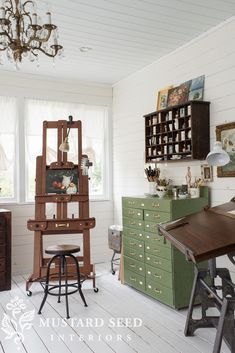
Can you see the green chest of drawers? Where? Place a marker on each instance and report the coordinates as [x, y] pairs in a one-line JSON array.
[[151, 264]]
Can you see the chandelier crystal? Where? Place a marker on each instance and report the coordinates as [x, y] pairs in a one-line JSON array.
[[22, 35]]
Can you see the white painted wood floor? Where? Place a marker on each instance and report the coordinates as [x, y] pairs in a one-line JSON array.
[[161, 330]]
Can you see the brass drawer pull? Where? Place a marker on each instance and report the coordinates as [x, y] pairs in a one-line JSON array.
[[157, 250], [157, 262], [131, 212], [157, 216], [57, 225], [156, 205], [132, 233], [133, 266], [132, 253], [132, 223], [131, 202], [156, 239], [131, 243], [158, 291], [158, 276], [133, 279]]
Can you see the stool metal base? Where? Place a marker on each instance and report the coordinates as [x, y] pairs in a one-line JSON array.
[[62, 276]]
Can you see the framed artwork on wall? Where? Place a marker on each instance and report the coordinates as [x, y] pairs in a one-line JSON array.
[[226, 134], [162, 98], [206, 172]]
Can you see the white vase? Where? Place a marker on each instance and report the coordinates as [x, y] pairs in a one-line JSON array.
[[194, 192], [161, 191], [152, 188]]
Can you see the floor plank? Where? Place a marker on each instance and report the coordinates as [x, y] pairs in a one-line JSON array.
[[161, 330]]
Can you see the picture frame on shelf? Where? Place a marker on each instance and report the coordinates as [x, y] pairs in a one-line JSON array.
[[226, 134], [178, 95], [196, 91], [162, 98], [206, 172]]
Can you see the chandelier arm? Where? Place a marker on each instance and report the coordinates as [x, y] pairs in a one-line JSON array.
[[39, 40], [48, 54], [6, 34]]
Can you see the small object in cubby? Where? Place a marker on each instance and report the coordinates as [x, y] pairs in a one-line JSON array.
[[170, 115], [189, 134], [170, 148], [177, 137], [182, 112], [154, 130], [154, 120], [167, 117], [149, 151], [165, 149], [170, 127], [177, 148], [182, 135], [170, 139], [176, 124], [189, 110]]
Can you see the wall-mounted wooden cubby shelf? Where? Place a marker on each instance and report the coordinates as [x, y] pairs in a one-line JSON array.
[[178, 133]]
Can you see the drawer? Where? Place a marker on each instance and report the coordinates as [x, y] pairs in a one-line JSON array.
[[134, 280], [158, 262], [151, 238], [133, 223], [133, 213], [134, 265], [2, 251], [2, 265], [134, 203], [155, 216], [150, 227], [134, 243], [156, 204], [161, 251], [133, 253], [128, 232], [160, 292], [159, 276]]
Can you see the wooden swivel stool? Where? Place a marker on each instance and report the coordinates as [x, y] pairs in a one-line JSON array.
[[62, 253]]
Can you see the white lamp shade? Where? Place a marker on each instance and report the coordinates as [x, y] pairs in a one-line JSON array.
[[218, 157], [64, 147]]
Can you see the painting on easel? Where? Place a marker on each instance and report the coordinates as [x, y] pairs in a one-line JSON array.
[[62, 181]]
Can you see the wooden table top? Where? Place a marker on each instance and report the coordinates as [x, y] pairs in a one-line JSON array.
[[205, 235]]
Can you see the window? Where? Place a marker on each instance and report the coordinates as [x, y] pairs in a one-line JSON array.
[[8, 120], [94, 128]]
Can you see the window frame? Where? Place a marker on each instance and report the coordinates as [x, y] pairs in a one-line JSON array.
[[20, 172]]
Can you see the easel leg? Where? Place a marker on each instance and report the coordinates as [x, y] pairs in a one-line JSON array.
[[37, 259]]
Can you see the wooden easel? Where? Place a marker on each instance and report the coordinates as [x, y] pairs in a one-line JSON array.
[[60, 223]]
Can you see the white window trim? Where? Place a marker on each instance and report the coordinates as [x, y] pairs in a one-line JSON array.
[[20, 149]]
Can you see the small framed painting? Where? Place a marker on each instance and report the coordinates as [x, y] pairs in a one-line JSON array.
[[62, 181], [178, 95], [162, 98], [206, 172], [226, 134], [196, 91]]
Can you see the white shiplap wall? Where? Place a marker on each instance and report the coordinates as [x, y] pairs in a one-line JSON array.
[[23, 85], [212, 54]]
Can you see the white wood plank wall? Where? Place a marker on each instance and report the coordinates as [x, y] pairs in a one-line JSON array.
[[40, 87], [212, 54]]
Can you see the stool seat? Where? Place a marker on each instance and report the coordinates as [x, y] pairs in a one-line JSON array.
[[61, 255], [62, 249]]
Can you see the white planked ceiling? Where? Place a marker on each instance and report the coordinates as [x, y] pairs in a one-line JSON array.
[[125, 35]]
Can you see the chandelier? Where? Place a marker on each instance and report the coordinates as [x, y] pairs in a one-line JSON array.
[[22, 34]]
